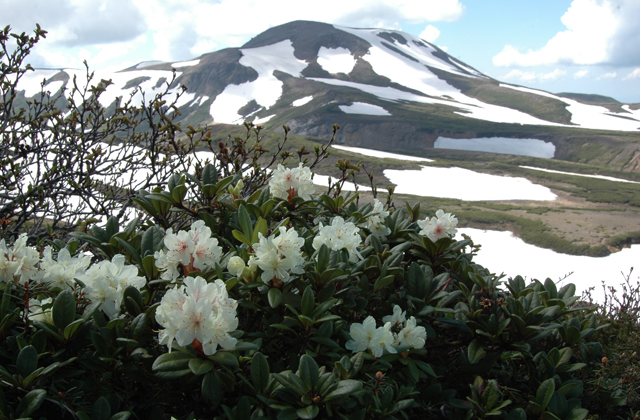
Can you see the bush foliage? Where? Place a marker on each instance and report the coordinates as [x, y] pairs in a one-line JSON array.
[[228, 298]]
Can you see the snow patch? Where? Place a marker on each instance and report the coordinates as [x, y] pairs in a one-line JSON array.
[[302, 101], [336, 60], [180, 64], [266, 89], [589, 116], [364, 108], [31, 82], [323, 180], [148, 64], [464, 184], [522, 147], [608, 178], [263, 119], [512, 256], [380, 154]]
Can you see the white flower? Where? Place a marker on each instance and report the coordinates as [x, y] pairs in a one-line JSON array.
[[366, 336], [21, 261], [106, 281], [441, 226], [236, 265], [195, 249], [398, 317], [412, 335], [375, 221], [291, 182], [339, 235], [40, 311], [62, 272], [279, 256], [198, 311]]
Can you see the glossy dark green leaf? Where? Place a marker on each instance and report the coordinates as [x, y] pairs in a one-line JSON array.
[[101, 409], [309, 371], [63, 310], [212, 389], [308, 302], [27, 361], [275, 297], [225, 358], [30, 403], [308, 412], [260, 372], [200, 366]]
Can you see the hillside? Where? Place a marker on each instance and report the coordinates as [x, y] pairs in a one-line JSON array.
[[388, 90]]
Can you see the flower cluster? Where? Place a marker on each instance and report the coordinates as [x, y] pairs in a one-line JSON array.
[[339, 235], [278, 256], [375, 222], [198, 311], [396, 332], [287, 183], [19, 262], [194, 250], [106, 281], [61, 273], [441, 226]]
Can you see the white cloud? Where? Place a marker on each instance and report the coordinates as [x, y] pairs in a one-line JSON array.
[[598, 32], [185, 29], [430, 33], [635, 74], [610, 75], [530, 76], [580, 74]]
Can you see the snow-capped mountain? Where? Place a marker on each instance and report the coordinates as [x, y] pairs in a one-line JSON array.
[[387, 89]]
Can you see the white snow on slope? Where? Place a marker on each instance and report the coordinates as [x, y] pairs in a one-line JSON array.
[[323, 181], [180, 64], [589, 116], [380, 154], [521, 147], [302, 101], [266, 89], [608, 178], [364, 108], [512, 256], [465, 184], [336, 60], [148, 64], [490, 113], [31, 81]]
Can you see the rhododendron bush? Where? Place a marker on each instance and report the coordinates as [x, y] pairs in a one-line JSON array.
[[270, 305]]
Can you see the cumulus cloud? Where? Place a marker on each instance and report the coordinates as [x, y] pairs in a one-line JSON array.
[[610, 75], [635, 74], [430, 33], [580, 74], [597, 32], [531, 76], [233, 22]]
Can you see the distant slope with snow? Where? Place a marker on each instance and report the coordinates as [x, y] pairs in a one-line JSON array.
[[387, 89]]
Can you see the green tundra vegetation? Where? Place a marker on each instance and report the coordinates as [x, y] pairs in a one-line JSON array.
[[222, 290]]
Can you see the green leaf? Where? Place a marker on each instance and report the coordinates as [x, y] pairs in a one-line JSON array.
[[288, 414], [130, 250], [475, 352], [122, 415], [27, 361], [261, 227], [152, 241], [308, 412], [545, 392], [345, 388], [30, 403], [71, 329], [101, 409], [308, 302], [416, 281], [274, 297], [172, 365], [212, 389], [245, 222], [133, 301], [382, 282], [226, 358], [209, 174], [309, 371], [63, 311], [200, 366], [260, 372]]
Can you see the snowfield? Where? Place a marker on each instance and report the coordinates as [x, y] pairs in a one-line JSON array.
[[381, 154], [364, 108], [521, 147], [336, 60], [608, 178], [510, 254], [464, 184]]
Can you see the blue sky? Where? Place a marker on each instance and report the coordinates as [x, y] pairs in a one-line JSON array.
[[585, 46]]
